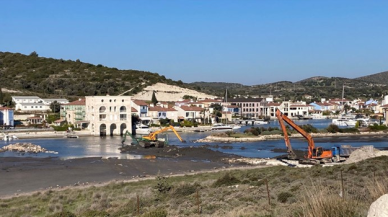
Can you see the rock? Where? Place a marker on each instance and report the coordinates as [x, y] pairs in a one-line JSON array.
[[26, 147], [379, 208]]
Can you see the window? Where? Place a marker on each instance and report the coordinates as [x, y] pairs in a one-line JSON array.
[[123, 117], [102, 109], [123, 109]]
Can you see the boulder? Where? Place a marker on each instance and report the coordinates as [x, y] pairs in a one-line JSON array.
[[379, 208]]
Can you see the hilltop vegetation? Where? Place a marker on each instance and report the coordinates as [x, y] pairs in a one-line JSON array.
[[58, 77]]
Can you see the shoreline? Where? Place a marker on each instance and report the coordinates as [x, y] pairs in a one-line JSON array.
[[211, 138]]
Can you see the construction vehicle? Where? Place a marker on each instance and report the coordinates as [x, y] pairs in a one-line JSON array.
[[152, 138], [315, 155]]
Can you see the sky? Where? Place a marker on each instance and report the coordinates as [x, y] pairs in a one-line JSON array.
[[241, 41]]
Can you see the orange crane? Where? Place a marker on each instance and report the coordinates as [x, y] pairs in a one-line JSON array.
[[315, 154]]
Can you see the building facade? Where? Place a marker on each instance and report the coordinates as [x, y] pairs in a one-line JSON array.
[[74, 112], [249, 107], [6, 117], [108, 115]]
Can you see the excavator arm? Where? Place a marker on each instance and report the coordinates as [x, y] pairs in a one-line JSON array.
[[152, 136], [291, 154], [281, 117]]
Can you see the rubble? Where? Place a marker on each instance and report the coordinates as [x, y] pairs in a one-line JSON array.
[[364, 153], [26, 147]]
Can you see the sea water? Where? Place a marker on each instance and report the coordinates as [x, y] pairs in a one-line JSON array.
[[109, 146]]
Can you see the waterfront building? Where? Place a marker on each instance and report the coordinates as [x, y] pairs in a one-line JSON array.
[[162, 112], [269, 109], [6, 117], [108, 115], [249, 107], [74, 113], [34, 103], [191, 113]]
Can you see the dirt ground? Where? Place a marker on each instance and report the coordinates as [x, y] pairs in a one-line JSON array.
[[24, 175]]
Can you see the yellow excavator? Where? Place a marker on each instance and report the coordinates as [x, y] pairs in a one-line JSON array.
[[152, 138]]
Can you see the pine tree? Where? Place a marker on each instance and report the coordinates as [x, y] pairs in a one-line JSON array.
[[154, 100]]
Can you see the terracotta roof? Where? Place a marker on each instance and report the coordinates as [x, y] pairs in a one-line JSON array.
[[133, 109], [245, 100], [209, 100], [191, 108], [6, 108], [59, 121], [77, 102], [140, 102], [273, 104], [161, 109], [384, 106], [181, 117]]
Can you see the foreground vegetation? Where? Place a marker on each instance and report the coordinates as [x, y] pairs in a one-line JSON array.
[[292, 192]]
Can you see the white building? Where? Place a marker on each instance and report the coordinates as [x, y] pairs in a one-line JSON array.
[[108, 115], [32, 107], [60, 101], [34, 103], [6, 116]]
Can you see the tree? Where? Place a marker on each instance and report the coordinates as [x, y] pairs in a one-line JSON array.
[[154, 100], [55, 106], [34, 54]]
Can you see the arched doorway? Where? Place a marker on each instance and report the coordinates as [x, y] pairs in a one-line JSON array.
[[123, 128], [112, 129], [102, 130]]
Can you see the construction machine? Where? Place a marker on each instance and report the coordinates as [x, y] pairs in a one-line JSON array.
[[152, 138], [315, 155]]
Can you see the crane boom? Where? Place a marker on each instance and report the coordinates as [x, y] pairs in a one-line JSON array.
[[313, 152], [152, 136], [282, 117]]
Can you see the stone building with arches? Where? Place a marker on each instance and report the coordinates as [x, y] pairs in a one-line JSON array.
[[108, 115]]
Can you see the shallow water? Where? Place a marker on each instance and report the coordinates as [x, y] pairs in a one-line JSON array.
[[108, 146]]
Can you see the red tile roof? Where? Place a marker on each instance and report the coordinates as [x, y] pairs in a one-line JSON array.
[[133, 109], [191, 108], [77, 102], [273, 104], [6, 108], [161, 109], [140, 102]]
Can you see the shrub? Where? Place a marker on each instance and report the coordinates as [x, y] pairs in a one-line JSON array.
[[162, 185], [94, 213], [309, 128], [283, 197], [226, 180], [63, 214], [185, 189], [332, 128], [155, 213]]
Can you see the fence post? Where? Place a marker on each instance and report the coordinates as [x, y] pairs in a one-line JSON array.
[[269, 197], [342, 187], [198, 203], [138, 205]]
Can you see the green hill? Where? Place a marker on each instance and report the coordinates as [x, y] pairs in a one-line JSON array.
[[58, 77]]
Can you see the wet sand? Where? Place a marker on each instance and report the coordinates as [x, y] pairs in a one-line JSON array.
[[20, 175]]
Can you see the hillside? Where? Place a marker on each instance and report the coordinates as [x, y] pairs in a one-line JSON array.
[[165, 92], [67, 78], [379, 78]]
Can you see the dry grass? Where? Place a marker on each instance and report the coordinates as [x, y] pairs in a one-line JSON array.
[[293, 192]]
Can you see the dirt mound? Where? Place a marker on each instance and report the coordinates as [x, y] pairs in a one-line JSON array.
[[364, 153]]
